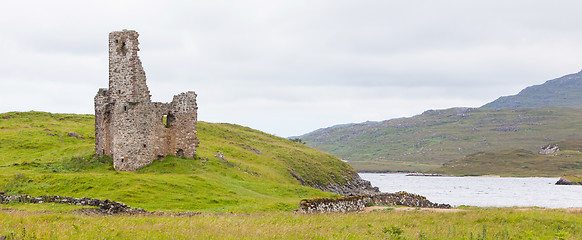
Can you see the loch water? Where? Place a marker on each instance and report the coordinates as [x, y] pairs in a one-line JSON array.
[[482, 191]]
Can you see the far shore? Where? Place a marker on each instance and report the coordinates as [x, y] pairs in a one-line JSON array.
[[419, 174]]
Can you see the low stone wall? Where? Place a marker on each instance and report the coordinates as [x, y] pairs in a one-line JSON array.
[[323, 205], [314, 205], [358, 203], [105, 206]]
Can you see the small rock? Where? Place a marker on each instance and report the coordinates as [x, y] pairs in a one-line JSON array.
[[75, 135], [220, 156]]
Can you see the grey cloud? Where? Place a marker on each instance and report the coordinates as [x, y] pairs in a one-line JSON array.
[[288, 67]]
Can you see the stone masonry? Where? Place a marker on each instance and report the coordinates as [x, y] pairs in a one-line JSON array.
[[129, 127], [357, 203]]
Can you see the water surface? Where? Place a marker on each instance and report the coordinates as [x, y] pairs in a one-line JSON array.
[[482, 191]]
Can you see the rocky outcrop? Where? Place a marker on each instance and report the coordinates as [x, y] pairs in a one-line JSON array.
[[549, 149], [358, 203], [353, 185], [105, 206], [405, 199], [568, 180]]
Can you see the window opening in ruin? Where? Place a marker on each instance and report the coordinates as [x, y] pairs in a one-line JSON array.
[[144, 145], [124, 108], [180, 153], [123, 48], [168, 119]]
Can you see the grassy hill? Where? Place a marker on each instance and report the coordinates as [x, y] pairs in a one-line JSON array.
[[519, 162], [426, 141], [52, 154], [560, 92]]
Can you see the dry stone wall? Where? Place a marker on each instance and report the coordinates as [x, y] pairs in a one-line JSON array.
[[358, 203], [104, 206], [129, 127], [325, 205]]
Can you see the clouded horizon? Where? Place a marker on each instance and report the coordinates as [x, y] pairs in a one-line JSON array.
[[291, 67]]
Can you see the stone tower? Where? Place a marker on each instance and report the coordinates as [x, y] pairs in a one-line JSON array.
[[129, 127]]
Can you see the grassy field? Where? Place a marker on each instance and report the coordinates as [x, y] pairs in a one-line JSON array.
[[426, 141], [26, 136], [475, 223], [250, 195], [41, 157]]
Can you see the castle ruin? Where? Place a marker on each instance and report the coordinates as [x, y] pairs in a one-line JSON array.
[[129, 127]]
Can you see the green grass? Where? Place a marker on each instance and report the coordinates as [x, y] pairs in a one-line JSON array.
[[27, 136], [475, 223], [573, 178], [39, 158], [424, 142], [519, 162], [254, 183]]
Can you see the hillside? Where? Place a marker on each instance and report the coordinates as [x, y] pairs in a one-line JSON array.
[[428, 140], [519, 162], [565, 91], [52, 154]]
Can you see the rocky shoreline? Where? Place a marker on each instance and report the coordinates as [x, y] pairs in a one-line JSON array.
[[358, 193], [569, 180], [354, 185]]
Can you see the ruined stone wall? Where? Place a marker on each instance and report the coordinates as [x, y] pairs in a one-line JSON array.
[[327, 205], [105, 206], [359, 202], [130, 128]]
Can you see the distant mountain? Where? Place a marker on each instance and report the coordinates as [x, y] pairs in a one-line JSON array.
[[536, 116], [426, 141], [560, 92]]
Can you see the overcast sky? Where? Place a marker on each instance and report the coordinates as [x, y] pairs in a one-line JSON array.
[[290, 67]]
